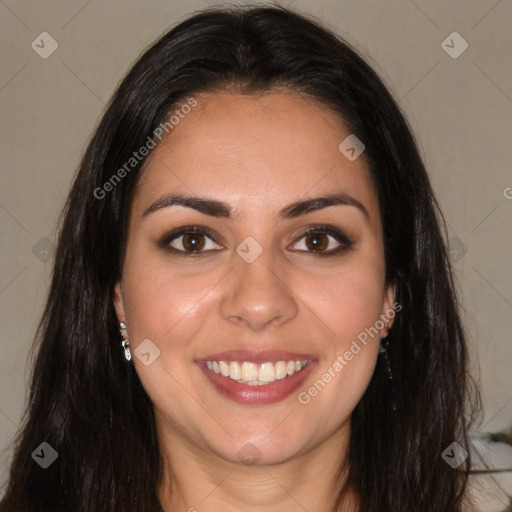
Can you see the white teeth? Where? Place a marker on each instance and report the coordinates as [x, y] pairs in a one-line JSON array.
[[234, 370], [255, 374], [224, 368], [280, 368], [266, 373], [249, 372]]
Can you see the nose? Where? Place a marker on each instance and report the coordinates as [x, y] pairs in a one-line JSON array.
[[257, 296]]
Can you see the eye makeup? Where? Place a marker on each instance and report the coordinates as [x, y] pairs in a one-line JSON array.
[[198, 232]]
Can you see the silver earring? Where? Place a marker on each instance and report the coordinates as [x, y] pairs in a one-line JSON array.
[[383, 350], [125, 343]]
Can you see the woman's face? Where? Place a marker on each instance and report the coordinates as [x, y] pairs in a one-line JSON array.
[[247, 286]]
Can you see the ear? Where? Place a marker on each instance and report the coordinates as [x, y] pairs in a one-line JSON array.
[[119, 301], [389, 310]]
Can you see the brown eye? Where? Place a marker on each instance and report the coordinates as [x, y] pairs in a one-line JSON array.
[[190, 240], [317, 242], [193, 241], [323, 241]]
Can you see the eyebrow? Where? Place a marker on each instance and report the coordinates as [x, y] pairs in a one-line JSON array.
[[215, 208]]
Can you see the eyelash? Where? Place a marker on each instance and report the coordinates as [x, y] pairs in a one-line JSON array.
[[339, 236]]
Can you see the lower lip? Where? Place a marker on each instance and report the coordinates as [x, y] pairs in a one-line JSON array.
[[258, 394]]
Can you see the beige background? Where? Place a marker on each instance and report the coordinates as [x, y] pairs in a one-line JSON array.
[[460, 109]]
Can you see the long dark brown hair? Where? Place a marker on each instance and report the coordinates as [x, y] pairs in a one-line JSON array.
[[87, 402]]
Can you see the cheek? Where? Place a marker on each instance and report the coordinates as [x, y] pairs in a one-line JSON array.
[[164, 304], [348, 302], [169, 308]]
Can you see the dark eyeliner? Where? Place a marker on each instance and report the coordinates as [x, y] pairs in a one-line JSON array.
[[166, 239], [339, 236], [345, 242]]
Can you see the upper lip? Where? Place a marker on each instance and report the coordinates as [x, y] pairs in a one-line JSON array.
[[256, 356]]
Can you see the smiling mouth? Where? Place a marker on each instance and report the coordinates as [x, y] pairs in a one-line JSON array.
[[254, 374]]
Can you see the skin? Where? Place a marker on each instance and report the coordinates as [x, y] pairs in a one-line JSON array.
[[257, 153]]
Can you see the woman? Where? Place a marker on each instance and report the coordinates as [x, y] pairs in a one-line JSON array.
[[252, 305]]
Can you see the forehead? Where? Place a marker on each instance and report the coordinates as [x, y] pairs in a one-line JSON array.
[[255, 151]]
